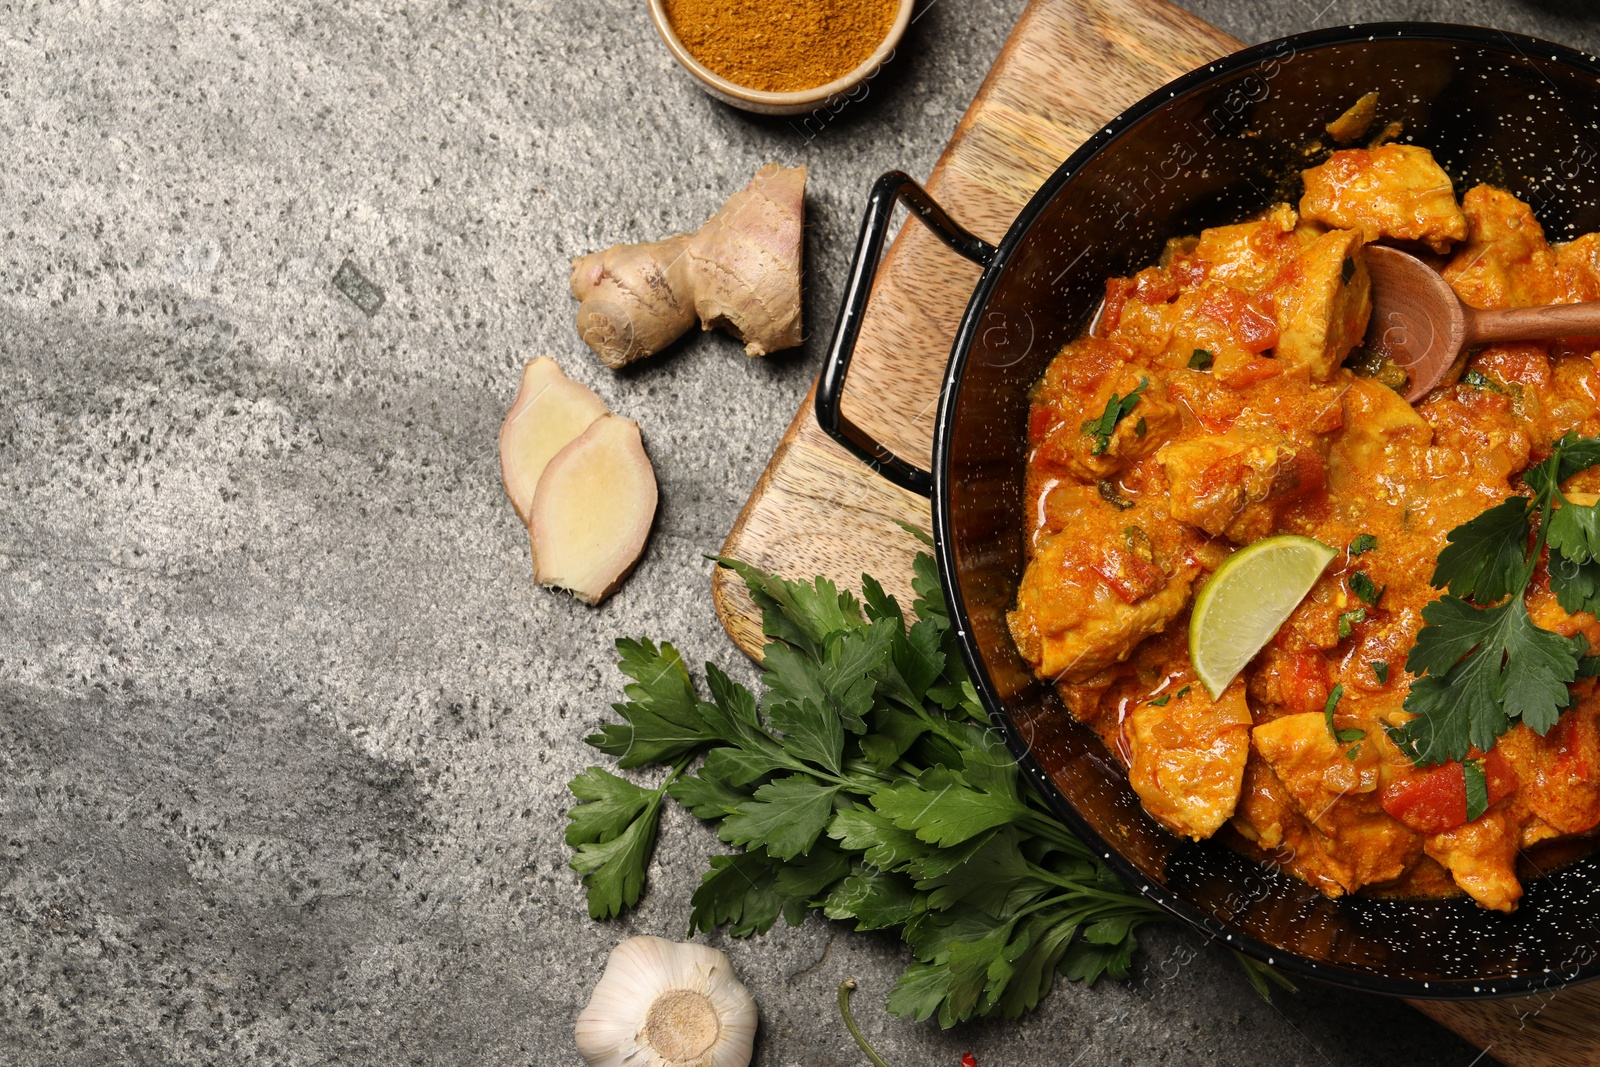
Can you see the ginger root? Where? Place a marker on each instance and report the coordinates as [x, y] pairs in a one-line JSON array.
[[592, 511], [550, 410], [740, 272], [580, 481]]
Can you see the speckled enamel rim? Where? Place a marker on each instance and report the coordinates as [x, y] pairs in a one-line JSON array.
[[762, 102], [1288, 962]]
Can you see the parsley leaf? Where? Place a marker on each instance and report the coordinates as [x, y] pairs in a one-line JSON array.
[[1363, 543], [1575, 532], [1201, 360], [786, 816], [1484, 559], [1576, 585], [1381, 670], [943, 812], [661, 719], [1117, 408], [613, 830]]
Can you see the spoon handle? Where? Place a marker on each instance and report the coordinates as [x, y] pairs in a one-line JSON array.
[[1530, 324]]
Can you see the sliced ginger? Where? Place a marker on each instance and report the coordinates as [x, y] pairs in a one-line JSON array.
[[740, 272], [580, 481], [592, 510], [550, 410]]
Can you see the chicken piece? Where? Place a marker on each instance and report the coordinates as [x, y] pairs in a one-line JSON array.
[[1506, 261], [1378, 426], [1579, 265], [1323, 303], [1482, 858], [1097, 432], [1559, 772], [1334, 788], [1266, 817], [1093, 592], [1249, 255], [1395, 191], [1229, 484], [1187, 756]]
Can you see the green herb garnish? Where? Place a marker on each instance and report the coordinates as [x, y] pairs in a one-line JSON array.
[[1478, 380], [1183, 692], [1477, 789], [1481, 662], [1109, 493], [1117, 409], [865, 782], [1348, 620], [1161, 701], [1201, 360], [1381, 669], [1363, 587], [1349, 733], [1363, 543]]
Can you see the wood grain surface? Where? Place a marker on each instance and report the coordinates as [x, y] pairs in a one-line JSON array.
[[1067, 68]]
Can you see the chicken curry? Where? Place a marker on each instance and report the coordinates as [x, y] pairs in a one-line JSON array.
[[1257, 413]]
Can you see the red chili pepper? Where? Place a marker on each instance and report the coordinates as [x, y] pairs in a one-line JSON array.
[[968, 1061]]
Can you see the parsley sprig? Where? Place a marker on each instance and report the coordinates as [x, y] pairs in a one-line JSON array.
[[867, 783], [1482, 663]]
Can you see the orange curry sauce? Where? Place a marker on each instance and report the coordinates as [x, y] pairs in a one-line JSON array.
[[1273, 436]]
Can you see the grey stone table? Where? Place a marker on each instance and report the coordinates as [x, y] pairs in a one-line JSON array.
[[284, 727]]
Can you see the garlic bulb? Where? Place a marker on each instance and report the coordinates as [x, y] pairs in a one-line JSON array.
[[664, 1004]]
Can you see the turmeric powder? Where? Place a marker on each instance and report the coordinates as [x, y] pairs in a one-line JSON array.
[[781, 46]]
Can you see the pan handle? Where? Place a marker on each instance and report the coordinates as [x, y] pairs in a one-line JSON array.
[[893, 186]]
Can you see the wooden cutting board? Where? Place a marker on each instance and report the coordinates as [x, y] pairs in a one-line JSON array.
[[1068, 67]]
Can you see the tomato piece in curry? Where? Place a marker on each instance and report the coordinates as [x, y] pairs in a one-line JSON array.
[[1248, 424]]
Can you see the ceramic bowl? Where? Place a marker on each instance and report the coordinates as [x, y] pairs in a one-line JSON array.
[[829, 96], [1210, 148]]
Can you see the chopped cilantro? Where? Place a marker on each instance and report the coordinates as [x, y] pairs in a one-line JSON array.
[[1348, 620], [1381, 669], [1346, 735], [1478, 380], [1355, 750], [1117, 409], [1140, 428], [1363, 543], [1161, 701], [1183, 692], [1201, 360], [1110, 494], [1363, 587]]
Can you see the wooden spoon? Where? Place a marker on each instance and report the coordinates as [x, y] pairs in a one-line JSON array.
[[1420, 323]]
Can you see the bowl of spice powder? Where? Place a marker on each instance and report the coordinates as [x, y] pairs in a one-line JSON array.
[[781, 57]]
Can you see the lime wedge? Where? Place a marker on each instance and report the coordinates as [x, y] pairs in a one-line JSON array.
[[1246, 600]]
